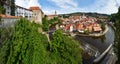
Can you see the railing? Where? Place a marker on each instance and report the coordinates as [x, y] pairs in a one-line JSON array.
[[102, 55]]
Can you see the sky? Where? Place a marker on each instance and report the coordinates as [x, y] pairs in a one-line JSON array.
[[71, 6]]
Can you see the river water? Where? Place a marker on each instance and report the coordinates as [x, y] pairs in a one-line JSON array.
[[102, 42]]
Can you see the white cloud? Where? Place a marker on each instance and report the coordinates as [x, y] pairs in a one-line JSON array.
[[65, 3], [103, 6], [34, 3], [66, 6], [117, 2], [48, 11], [109, 8], [70, 6], [27, 3]]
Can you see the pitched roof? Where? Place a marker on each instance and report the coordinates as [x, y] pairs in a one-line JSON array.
[[22, 7], [97, 28], [35, 8]]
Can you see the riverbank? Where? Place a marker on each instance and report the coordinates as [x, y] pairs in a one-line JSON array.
[[103, 44], [98, 59], [112, 25], [96, 34]]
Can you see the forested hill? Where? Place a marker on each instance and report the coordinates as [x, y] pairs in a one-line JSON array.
[[87, 14]]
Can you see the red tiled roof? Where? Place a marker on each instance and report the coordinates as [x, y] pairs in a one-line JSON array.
[[67, 27], [97, 28], [5, 16], [77, 26], [35, 8]]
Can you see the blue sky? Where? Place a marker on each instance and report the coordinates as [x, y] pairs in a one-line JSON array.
[[70, 6]]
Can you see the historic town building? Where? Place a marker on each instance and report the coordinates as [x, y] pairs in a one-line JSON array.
[[33, 13], [37, 14], [23, 12]]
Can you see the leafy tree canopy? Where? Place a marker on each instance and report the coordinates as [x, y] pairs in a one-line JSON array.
[[23, 44], [64, 50], [117, 35], [26, 45]]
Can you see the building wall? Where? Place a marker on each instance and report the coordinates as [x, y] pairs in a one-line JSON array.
[[8, 22], [23, 12], [32, 15], [49, 17], [19, 11], [8, 9], [37, 16]]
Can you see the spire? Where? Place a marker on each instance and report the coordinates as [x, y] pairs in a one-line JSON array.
[[55, 12]]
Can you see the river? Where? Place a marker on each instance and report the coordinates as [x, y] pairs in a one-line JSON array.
[[102, 42]]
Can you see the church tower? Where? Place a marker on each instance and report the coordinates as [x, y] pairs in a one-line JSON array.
[[55, 12]]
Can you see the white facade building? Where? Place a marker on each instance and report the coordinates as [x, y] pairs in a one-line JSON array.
[[32, 14], [19, 11], [23, 12], [8, 9]]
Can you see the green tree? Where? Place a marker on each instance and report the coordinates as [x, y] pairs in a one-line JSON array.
[[103, 25], [112, 17], [0, 19], [25, 45], [45, 24], [117, 36], [12, 7], [64, 50], [5, 35], [2, 10]]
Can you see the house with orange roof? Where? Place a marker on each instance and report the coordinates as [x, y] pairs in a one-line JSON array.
[[90, 29], [69, 27], [97, 29], [37, 14], [81, 24]]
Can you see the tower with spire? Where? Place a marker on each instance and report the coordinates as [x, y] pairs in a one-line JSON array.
[[55, 12]]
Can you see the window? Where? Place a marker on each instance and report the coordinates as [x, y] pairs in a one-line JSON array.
[[1, 23], [8, 12], [8, 8]]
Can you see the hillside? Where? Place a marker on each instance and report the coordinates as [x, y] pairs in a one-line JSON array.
[[97, 15]]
